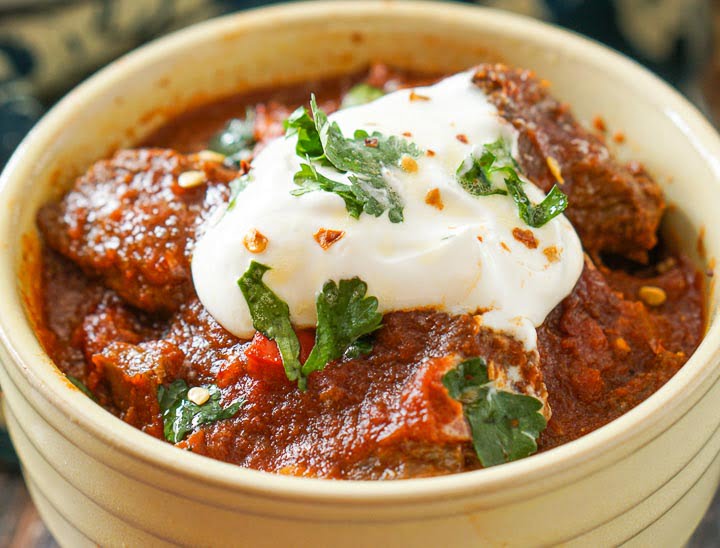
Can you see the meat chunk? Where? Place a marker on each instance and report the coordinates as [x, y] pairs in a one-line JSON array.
[[133, 373], [384, 415], [614, 208], [601, 355], [129, 222]]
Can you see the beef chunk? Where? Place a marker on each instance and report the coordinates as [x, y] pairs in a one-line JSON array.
[[384, 415], [601, 355], [614, 208], [129, 222], [133, 373]]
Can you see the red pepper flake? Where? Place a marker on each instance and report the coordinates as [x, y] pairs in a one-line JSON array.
[[462, 138], [505, 246], [407, 134], [599, 124], [619, 137], [417, 97], [326, 237], [371, 142], [254, 241], [480, 239], [552, 253], [525, 237], [430, 153], [433, 198]]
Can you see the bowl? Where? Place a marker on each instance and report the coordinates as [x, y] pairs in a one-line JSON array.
[[644, 479]]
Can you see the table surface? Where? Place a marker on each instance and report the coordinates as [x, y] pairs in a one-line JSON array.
[[21, 527]]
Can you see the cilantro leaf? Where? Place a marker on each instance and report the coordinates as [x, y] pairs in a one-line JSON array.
[[476, 178], [504, 425], [536, 215], [181, 416], [236, 139], [309, 180], [271, 316], [361, 94], [345, 315], [81, 386], [308, 142], [496, 158], [365, 156]]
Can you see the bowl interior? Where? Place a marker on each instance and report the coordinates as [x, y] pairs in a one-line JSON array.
[[136, 94]]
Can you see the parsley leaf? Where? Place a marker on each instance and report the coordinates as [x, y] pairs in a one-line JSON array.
[[366, 157], [271, 316], [345, 315], [309, 180], [496, 158], [361, 94], [181, 416], [236, 139], [81, 386], [504, 425]]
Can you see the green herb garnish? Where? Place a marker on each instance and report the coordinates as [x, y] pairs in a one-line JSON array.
[[365, 157], [345, 315], [309, 180], [361, 94], [496, 158], [308, 145], [181, 416], [271, 316], [504, 425], [81, 386], [536, 215], [236, 139]]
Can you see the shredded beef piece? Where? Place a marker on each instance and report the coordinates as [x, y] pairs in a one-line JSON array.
[[614, 208], [128, 222], [133, 374]]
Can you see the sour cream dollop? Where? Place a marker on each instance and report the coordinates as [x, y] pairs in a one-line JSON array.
[[454, 251]]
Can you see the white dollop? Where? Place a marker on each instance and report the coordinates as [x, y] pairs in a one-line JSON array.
[[462, 258]]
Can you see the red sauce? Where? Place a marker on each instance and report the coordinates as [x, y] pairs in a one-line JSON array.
[[120, 313]]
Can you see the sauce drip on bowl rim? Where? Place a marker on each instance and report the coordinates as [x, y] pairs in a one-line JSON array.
[[472, 255]]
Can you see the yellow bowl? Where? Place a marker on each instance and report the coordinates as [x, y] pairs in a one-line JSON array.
[[645, 479]]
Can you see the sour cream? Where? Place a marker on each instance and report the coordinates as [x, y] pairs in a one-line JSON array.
[[454, 251]]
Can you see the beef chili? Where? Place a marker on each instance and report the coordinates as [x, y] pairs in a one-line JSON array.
[[358, 388]]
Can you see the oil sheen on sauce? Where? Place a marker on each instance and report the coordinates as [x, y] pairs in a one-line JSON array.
[[454, 252]]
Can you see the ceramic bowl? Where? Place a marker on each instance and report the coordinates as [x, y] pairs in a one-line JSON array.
[[644, 479]]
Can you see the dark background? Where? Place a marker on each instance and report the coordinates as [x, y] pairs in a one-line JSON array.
[[48, 46]]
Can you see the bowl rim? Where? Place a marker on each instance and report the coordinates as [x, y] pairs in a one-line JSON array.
[[30, 361]]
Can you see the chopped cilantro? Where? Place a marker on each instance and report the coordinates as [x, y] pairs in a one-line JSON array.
[[271, 316], [504, 425], [361, 94], [496, 158], [366, 163], [236, 139], [308, 144], [181, 416], [309, 180], [345, 315], [81, 386]]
